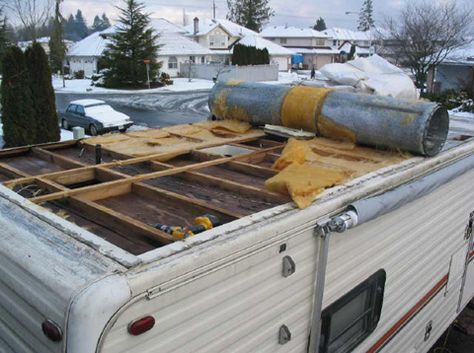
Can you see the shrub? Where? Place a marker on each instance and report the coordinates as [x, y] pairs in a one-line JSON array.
[[79, 75], [165, 79]]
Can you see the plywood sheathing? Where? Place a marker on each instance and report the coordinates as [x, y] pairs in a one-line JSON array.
[[309, 167], [172, 139]]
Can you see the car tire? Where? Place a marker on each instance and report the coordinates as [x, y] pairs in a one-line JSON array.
[[93, 130], [64, 124]]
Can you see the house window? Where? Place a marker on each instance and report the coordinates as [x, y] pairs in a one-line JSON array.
[[172, 62], [334, 42], [203, 59], [352, 318], [217, 40], [282, 40]]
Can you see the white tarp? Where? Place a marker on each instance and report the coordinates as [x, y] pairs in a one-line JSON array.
[[372, 75]]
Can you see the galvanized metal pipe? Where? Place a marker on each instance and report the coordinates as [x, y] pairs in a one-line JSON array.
[[415, 126]]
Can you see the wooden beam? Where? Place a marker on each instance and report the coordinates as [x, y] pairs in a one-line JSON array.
[[55, 158], [252, 169], [118, 222], [158, 157], [228, 184], [107, 187], [13, 170], [150, 191]]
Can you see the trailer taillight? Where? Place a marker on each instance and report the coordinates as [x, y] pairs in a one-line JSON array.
[[142, 325], [52, 330]]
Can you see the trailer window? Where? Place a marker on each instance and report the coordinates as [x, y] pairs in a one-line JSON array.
[[352, 318]]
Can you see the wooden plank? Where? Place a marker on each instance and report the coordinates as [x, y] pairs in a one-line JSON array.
[[13, 170], [153, 191], [227, 183], [107, 187], [94, 192], [252, 169], [158, 157], [63, 162], [118, 222]]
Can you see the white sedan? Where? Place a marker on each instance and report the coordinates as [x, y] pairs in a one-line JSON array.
[[95, 116]]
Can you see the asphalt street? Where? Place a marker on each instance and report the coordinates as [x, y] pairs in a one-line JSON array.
[[152, 110]]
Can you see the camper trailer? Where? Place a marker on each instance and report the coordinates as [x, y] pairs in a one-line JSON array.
[[167, 240]]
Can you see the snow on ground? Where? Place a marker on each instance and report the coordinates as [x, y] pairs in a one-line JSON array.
[[84, 86], [180, 84]]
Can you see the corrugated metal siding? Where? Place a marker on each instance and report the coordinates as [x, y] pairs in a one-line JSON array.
[[240, 307], [40, 271]]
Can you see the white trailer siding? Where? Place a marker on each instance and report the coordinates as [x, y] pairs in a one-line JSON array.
[[41, 269], [240, 302]]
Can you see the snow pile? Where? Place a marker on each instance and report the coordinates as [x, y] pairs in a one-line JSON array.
[[371, 75]]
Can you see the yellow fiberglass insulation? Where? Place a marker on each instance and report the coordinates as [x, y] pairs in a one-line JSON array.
[[307, 168]]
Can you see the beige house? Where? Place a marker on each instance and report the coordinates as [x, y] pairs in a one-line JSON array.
[[220, 35]]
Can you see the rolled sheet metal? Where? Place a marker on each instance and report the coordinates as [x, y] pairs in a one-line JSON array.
[[415, 126]]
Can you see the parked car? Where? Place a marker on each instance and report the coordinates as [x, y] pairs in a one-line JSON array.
[[95, 116]]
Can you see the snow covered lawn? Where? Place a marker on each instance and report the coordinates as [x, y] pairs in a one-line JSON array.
[[84, 86]]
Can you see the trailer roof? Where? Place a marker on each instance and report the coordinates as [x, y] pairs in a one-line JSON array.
[[170, 176]]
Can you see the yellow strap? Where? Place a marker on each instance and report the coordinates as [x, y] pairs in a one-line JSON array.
[[301, 107]]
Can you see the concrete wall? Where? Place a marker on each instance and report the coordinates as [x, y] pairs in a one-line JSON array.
[[245, 73]]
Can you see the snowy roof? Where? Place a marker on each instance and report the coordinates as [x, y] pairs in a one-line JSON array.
[[464, 55], [347, 34], [172, 40], [315, 50], [346, 47], [206, 25], [87, 102], [261, 43], [92, 45], [291, 32]]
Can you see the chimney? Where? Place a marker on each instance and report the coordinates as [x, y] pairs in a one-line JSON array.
[[196, 25]]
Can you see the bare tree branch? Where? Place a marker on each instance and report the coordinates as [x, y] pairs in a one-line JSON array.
[[31, 13], [427, 33]]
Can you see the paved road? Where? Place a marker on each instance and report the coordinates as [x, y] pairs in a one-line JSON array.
[[152, 110]]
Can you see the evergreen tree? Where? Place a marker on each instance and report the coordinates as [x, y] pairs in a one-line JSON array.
[[4, 41], [366, 20], [69, 29], [100, 23], [56, 42], [132, 43], [245, 55], [19, 126], [252, 14], [80, 26], [105, 21], [320, 25], [42, 94]]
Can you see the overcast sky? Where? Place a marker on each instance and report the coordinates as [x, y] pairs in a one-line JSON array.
[[292, 12]]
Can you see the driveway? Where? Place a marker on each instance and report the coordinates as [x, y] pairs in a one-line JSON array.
[[152, 110]]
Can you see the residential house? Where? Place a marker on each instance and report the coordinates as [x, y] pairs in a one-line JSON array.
[[221, 35], [315, 46], [175, 48], [455, 72]]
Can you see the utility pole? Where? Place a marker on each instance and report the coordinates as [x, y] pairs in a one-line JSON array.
[[184, 17], [214, 9]]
